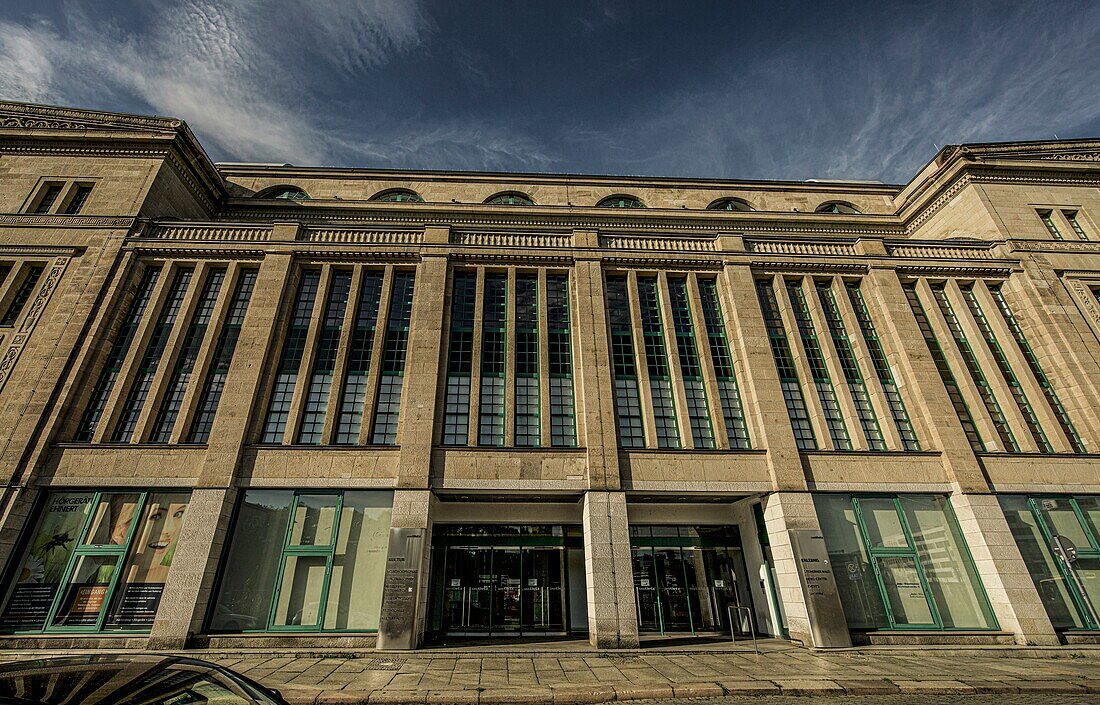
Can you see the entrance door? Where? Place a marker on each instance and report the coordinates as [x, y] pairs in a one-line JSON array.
[[543, 604], [1074, 522], [468, 590], [508, 577], [896, 564]]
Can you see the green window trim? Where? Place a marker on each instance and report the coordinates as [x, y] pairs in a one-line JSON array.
[[1048, 221], [1060, 412], [315, 407], [1072, 217], [456, 411], [353, 397], [628, 413], [294, 344], [940, 360], [857, 388], [733, 410], [702, 432], [985, 391], [1009, 376], [882, 368], [563, 423], [527, 402], [1087, 611], [784, 364], [656, 355], [834, 418], [395, 343], [494, 356]]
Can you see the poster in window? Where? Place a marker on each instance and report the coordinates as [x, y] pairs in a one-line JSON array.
[[138, 595], [45, 561]]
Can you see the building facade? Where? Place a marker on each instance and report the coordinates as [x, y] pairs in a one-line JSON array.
[[266, 405]]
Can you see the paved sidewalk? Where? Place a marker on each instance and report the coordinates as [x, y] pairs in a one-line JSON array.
[[522, 675]]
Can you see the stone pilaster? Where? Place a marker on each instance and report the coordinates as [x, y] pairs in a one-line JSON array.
[[1002, 570], [612, 609], [404, 615]]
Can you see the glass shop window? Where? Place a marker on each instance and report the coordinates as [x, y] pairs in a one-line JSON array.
[[305, 561], [96, 561], [900, 562]]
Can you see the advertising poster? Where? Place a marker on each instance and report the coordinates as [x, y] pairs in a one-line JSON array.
[[45, 562], [138, 595]]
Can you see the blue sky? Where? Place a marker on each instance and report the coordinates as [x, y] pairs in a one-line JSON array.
[[757, 90]]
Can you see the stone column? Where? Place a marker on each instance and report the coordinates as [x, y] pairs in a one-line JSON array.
[[190, 582], [612, 610], [1001, 567], [404, 614]]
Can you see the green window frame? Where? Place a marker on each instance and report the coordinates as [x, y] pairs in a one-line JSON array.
[[628, 409], [528, 430], [940, 360], [985, 391], [1060, 412], [294, 344], [456, 414], [1071, 217], [354, 389], [494, 356], [733, 410], [784, 364], [882, 368], [656, 356], [702, 432], [563, 423], [1009, 376], [834, 418], [857, 388], [1047, 217], [387, 407]]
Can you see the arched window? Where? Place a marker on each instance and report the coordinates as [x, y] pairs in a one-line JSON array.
[[510, 198], [836, 207], [398, 195], [620, 202], [290, 193], [730, 204]]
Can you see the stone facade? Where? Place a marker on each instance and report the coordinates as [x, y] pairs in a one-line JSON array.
[[938, 339]]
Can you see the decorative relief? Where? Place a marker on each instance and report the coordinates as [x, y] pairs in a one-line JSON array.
[[792, 247], [660, 244], [809, 267], [922, 270], [490, 239], [939, 252], [665, 262], [1087, 299], [31, 317], [365, 237], [1073, 157], [15, 115], [70, 221], [1054, 246], [219, 233]]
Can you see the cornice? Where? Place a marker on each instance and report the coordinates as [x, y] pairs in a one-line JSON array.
[[40, 250], [491, 258], [1054, 246], [779, 267], [29, 115], [67, 221], [945, 270]]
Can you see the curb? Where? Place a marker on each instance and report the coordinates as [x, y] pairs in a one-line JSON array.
[[594, 694]]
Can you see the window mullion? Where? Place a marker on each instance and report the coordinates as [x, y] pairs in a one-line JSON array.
[[343, 348], [841, 383], [544, 360], [706, 362], [374, 374], [67, 573], [675, 370], [120, 554], [641, 362], [810, 396], [474, 423], [510, 361], [121, 390]]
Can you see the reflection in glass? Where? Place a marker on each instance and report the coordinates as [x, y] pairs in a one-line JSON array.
[[84, 595], [112, 520], [300, 591], [908, 602], [358, 565]]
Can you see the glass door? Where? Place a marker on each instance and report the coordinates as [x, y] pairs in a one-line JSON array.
[[896, 564], [1071, 526], [468, 592], [543, 603], [645, 590], [301, 590], [507, 610]]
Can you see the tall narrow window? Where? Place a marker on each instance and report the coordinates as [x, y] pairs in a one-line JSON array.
[[656, 356], [882, 368], [528, 431], [49, 196], [563, 427], [5, 270], [702, 433], [628, 409], [1071, 217], [223, 357], [456, 414], [115, 357], [150, 361], [1036, 369], [79, 198], [784, 363], [733, 411], [1033, 425], [395, 345], [847, 357], [354, 396], [294, 345], [324, 361], [494, 320], [181, 374], [834, 420], [22, 295], [1048, 220], [940, 360], [971, 361]]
